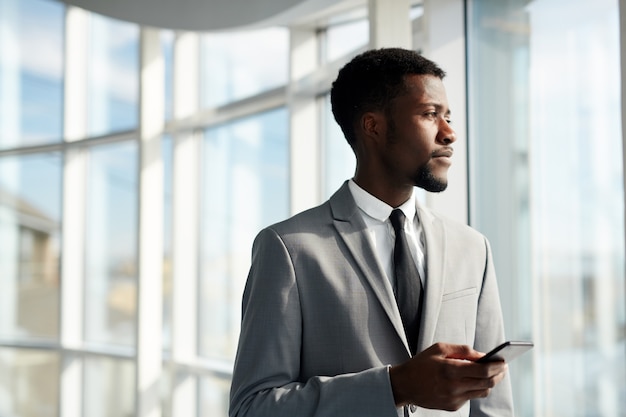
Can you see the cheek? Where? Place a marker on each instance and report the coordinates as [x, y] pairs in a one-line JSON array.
[[421, 136], [411, 144]]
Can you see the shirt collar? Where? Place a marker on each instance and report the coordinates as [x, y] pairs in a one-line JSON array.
[[376, 208]]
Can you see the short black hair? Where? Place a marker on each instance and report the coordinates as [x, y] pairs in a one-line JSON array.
[[371, 80]]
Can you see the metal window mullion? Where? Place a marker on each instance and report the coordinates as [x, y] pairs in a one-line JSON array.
[[622, 31], [390, 23], [304, 133], [150, 277], [10, 109], [185, 226], [73, 227]]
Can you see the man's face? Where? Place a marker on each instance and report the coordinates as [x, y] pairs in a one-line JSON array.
[[419, 136]]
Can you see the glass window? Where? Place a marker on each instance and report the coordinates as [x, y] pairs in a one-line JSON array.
[[416, 11], [113, 76], [31, 72], [338, 158], [236, 65], [29, 383], [111, 252], [168, 159], [246, 187], [167, 45], [345, 34], [548, 192], [30, 233], [109, 387], [214, 394]]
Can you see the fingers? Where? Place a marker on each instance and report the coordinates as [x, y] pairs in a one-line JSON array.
[[473, 370], [469, 380], [457, 351], [445, 377], [465, 357]]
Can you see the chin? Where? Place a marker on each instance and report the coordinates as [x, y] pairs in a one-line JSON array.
[[436, 187], [429, 182]]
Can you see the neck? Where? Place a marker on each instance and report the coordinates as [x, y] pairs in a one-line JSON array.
[[389, 193]]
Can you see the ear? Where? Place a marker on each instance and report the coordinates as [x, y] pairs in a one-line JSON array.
[[373, 125]]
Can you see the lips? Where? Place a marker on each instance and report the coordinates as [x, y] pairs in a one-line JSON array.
[[444, 152]]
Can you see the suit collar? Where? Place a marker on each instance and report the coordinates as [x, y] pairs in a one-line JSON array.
[[352, 230]]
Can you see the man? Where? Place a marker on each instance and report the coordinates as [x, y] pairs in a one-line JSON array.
[[325, 327]]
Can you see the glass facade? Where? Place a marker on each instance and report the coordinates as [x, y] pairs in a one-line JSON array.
[[31, 72], [167, 149], [109, 387], [113, 76], [241, 64], [338, 160], [111, 249], [214, 394], [345, 34], [29, 382], [30, 238], [245, 187], [545, 116], [545, 185]]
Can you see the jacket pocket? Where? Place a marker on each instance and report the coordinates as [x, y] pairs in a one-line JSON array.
[[459, 294]]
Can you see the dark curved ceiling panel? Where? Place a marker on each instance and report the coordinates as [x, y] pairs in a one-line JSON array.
[[204, 15]]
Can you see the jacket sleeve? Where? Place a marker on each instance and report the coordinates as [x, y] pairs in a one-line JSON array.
[[266, 378], [489, 334]]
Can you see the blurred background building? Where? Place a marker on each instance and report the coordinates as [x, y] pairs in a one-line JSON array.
[[143, 144]]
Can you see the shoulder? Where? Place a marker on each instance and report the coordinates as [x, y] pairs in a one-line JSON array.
[[305, 221], [305, 227], [319, 219]]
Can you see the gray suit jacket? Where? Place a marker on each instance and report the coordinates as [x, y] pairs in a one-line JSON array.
[[320, 324]]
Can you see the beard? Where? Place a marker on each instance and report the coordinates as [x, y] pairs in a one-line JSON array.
[[429, 182]]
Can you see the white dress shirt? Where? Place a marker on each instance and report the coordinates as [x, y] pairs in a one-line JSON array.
[[376, 213]]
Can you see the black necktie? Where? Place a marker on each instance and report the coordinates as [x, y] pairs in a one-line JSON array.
[[408, 283]]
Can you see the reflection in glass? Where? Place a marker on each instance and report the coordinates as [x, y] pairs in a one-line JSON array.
[[549, 194], [30, 232], [246, 187], [237, 65], [113, 76], [111, 252], [29, 383], [109, 387], [31, 72], [338, 157]]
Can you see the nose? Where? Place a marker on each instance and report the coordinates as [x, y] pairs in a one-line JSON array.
[[446, 135]]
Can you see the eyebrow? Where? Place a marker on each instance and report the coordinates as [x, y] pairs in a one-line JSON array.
[[438, 107]]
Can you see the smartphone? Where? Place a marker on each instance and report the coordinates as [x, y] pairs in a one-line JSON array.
[[507, 351]]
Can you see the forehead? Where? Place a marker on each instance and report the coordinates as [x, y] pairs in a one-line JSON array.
[[425, 89]]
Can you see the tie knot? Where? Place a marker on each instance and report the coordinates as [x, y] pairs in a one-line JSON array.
[[397, 219]]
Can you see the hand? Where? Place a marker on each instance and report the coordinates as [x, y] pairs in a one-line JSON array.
[[444, 377]]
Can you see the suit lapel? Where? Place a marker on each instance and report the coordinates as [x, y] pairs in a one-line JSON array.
[[435, 242], [351, 229]]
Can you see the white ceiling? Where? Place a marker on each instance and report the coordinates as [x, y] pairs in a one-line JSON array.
[[205, 15]]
